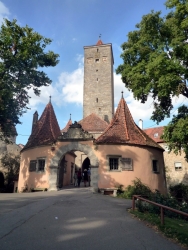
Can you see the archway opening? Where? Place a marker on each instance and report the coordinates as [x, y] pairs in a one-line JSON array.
[[69, 165], [57, 164], [86, 164]]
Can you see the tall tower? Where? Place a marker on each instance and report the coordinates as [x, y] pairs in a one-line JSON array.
[[99, 81]]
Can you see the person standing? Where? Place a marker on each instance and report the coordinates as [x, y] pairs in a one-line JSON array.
[[85, 177], [79, 177], [89, 176], [75, 179]]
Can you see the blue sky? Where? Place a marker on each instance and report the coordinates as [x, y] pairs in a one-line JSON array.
[[72, 24]]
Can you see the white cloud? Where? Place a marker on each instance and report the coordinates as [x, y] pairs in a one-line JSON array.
[[4, 12], [137, 109], [46, 92], [69, 89], [71, 85]]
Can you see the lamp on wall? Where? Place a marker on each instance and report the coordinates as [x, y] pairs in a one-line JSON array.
[[53, 146]]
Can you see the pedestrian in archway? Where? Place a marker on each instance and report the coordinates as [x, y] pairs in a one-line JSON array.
[[75, 179], [85, 177], [79, 177], [89, 176]]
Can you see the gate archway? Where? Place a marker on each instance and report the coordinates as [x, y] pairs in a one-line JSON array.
[[86, 164], [73, 146]]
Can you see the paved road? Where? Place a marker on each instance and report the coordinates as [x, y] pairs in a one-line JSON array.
[[73, 219]]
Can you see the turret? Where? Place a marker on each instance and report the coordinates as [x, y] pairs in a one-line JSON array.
[[35, 120]]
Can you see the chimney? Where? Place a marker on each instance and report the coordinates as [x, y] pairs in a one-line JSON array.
[[35, 120], [140, 124]]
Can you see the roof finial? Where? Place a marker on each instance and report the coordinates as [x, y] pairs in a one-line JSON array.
[[122, 94], [50, 98], [70, 116], [99, 36]]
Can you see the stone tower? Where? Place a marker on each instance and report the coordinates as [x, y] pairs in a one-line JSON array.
[[98, 81]]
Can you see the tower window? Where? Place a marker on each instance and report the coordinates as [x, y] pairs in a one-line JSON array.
[[99, 109], [97, 60], [155, 166], [97, 50], [96, 99], [89, 60], [96, 70], [97, 79]]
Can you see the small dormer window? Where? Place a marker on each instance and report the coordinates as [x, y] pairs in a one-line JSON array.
[[156, 135]]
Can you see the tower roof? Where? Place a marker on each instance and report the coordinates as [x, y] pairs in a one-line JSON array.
[[123, 130], [99, 42], [155, 133], [46, 129], [93, 122], [67, 126]]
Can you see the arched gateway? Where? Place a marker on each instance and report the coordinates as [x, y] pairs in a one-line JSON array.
[[73, 146]]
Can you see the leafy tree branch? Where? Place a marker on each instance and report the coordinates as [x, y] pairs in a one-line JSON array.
[[22, 56]]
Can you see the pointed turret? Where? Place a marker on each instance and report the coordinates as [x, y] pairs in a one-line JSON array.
[[64, 130], [99, 42], [46, 130], [123, 130], [35, 120]]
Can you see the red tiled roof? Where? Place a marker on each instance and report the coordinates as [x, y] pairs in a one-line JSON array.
[[99, 42], [155, 133], [93, 123], [46, 129], [123, 130], [67, 126]]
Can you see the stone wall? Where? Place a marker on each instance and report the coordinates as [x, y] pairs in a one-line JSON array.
[[176, 167]]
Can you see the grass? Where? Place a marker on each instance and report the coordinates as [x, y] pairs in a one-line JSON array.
[[175, 229]]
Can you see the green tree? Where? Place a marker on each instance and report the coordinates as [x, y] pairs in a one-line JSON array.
[[155, 62], [11, 166], [22, 56], [176, 133]]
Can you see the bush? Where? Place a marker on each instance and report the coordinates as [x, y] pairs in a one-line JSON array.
[[138, 188], [170, 200], [180, 192]]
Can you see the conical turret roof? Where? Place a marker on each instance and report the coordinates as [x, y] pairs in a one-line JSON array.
[[99, 42], [46, 129], [64, 130], [123, 130]]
